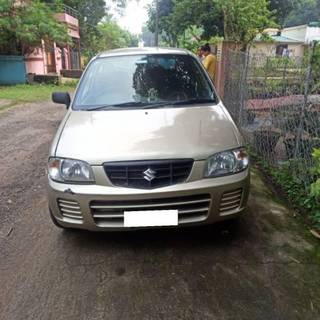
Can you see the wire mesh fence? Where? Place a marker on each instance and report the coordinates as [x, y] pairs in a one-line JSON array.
[[276, 103]]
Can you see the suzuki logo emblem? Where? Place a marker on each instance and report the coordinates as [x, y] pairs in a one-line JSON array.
[[149, 174]]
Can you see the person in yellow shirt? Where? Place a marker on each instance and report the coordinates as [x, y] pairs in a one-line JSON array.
[[209, 61]]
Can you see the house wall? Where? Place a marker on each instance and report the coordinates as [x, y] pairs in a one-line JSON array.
[[73, 33], [263, 48], [58, 59], [269, 49], [303, 33], [35, 61], [297, 50], [72, 24], [64, 17], [313, 33], [58, 54]]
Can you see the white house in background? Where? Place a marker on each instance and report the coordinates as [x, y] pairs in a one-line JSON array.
[[278, 45], [305, 33]]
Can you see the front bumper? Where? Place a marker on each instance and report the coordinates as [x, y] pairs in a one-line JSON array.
[[100, 207]]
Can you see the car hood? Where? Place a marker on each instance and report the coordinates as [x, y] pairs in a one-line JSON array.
[[167, 133]]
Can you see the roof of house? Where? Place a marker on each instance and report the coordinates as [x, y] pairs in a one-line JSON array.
[[279, 39], [312, 24], [285, 39]]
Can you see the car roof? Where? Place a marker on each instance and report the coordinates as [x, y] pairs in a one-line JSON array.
[[143, 50]]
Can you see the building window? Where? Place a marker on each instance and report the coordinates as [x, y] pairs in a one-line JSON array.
[[282, 50]]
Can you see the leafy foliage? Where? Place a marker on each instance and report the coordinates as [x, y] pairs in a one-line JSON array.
[[236, 20], [147, 37], [304, 11], [23, 26], [315, 187], [282, 9], [244, 20], [113, 36], [305, 198], [109, 35], [184, 22], [97, 29], [203, 14], [90, 14], [315, 65], [166, 27]]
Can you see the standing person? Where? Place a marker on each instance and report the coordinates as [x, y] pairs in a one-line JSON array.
[[199, 54], [209, 60]]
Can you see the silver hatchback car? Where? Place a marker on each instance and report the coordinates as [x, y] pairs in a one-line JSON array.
[[146, 142]]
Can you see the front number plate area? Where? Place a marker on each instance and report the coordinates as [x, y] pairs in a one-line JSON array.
[[150, 218]]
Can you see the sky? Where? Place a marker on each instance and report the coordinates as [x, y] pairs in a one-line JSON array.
[[134, 16]]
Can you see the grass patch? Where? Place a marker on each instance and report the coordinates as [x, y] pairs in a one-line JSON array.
[[34, 92]]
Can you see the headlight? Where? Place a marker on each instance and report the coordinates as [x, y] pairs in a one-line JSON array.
[[69, 170], [226, 162]]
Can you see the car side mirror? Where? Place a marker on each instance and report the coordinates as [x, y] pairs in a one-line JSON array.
[[62, 98]]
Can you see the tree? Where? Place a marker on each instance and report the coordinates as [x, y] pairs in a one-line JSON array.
[[23, 26], [244, 19], [307, 11], [202, 14], [109, 35], [147, 37], [177, 19], [168, 33], [282, 9], [237, 20], [91, 13], [113, 37]]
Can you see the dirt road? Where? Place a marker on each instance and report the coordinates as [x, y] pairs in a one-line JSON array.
[[268, 269]]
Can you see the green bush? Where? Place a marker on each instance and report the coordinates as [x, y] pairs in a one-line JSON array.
[[274, 63], [315, 187], [293, 176]]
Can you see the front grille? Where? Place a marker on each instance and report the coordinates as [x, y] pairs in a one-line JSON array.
[[162, 173], [190, 209], [230, 201], [70, 209]]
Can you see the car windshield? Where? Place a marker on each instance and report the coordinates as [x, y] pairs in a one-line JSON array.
[[139, 81]]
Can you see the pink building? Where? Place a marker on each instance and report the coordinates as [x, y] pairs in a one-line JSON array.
[[54, 58]]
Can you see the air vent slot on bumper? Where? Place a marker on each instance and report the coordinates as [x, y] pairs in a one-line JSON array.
[[70, 210], [230, 201], [191, 209]]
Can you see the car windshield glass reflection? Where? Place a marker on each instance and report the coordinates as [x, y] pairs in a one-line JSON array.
[[143, 80]]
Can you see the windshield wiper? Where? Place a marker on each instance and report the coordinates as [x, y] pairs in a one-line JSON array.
[[181, 102], [118, 106], [148, 105], [195, 101]]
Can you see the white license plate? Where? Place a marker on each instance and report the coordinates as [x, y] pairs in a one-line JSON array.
[[151, 218]]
